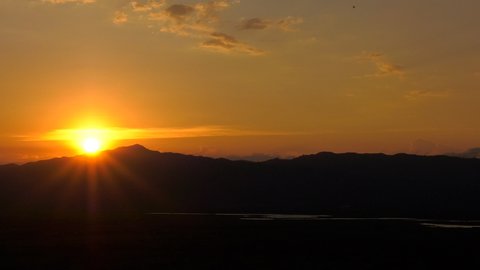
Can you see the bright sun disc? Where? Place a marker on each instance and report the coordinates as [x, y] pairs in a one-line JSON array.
[[91, 145]]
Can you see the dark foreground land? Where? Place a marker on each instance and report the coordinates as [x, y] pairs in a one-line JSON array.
[[92, 212], [229, 242]]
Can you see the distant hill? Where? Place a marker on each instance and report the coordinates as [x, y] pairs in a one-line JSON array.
[[134, 180]]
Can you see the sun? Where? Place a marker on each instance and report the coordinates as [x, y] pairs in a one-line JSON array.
[[88, 140], [91, 145], [91, 141]]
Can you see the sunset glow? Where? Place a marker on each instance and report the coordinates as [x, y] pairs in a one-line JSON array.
[[88, 141], [239, 78]]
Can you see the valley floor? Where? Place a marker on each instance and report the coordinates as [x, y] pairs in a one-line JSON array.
[[232, 242]]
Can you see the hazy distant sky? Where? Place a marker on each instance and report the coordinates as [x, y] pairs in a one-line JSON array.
[[241, 77]]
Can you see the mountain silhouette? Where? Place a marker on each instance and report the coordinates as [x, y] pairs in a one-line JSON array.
[[134, 180]]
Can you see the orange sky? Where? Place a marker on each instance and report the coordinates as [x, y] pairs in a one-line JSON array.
[[227, 77]]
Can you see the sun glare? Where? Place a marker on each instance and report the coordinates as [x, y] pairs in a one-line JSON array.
[[91, 145], [91, 141]]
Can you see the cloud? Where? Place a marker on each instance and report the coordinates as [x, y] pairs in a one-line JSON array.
[[201, 21], [286, 24], [471, 153], [146, 6], [225, 43], [383, 66], [424, 94], [254, 24], [197, 21], [209, 10], [179, 12], [120, 17], [69, 1]]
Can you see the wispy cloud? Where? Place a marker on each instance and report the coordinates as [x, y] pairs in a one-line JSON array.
[[201, 21], [190, 20], [120, 17], [383, 66], [183, 20], [116, 133], [285, 24], [225, 43], [69, 1], [424, 94], [147, 6]]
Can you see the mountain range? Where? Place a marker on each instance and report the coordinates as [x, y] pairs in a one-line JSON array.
[[134, 181]]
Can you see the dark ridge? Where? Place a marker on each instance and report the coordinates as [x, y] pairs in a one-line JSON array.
[[136, 148], [134, 180], [7, 166], [138, 151]]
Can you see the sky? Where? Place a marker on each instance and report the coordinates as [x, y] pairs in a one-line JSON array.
[[240, 77]]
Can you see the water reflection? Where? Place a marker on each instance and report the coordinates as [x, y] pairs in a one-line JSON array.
[[432, 223], [451, 226]]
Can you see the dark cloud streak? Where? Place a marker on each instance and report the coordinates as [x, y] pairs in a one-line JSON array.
[[286, 24]]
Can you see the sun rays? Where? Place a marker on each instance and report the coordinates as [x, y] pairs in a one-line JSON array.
[[99, 184]]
